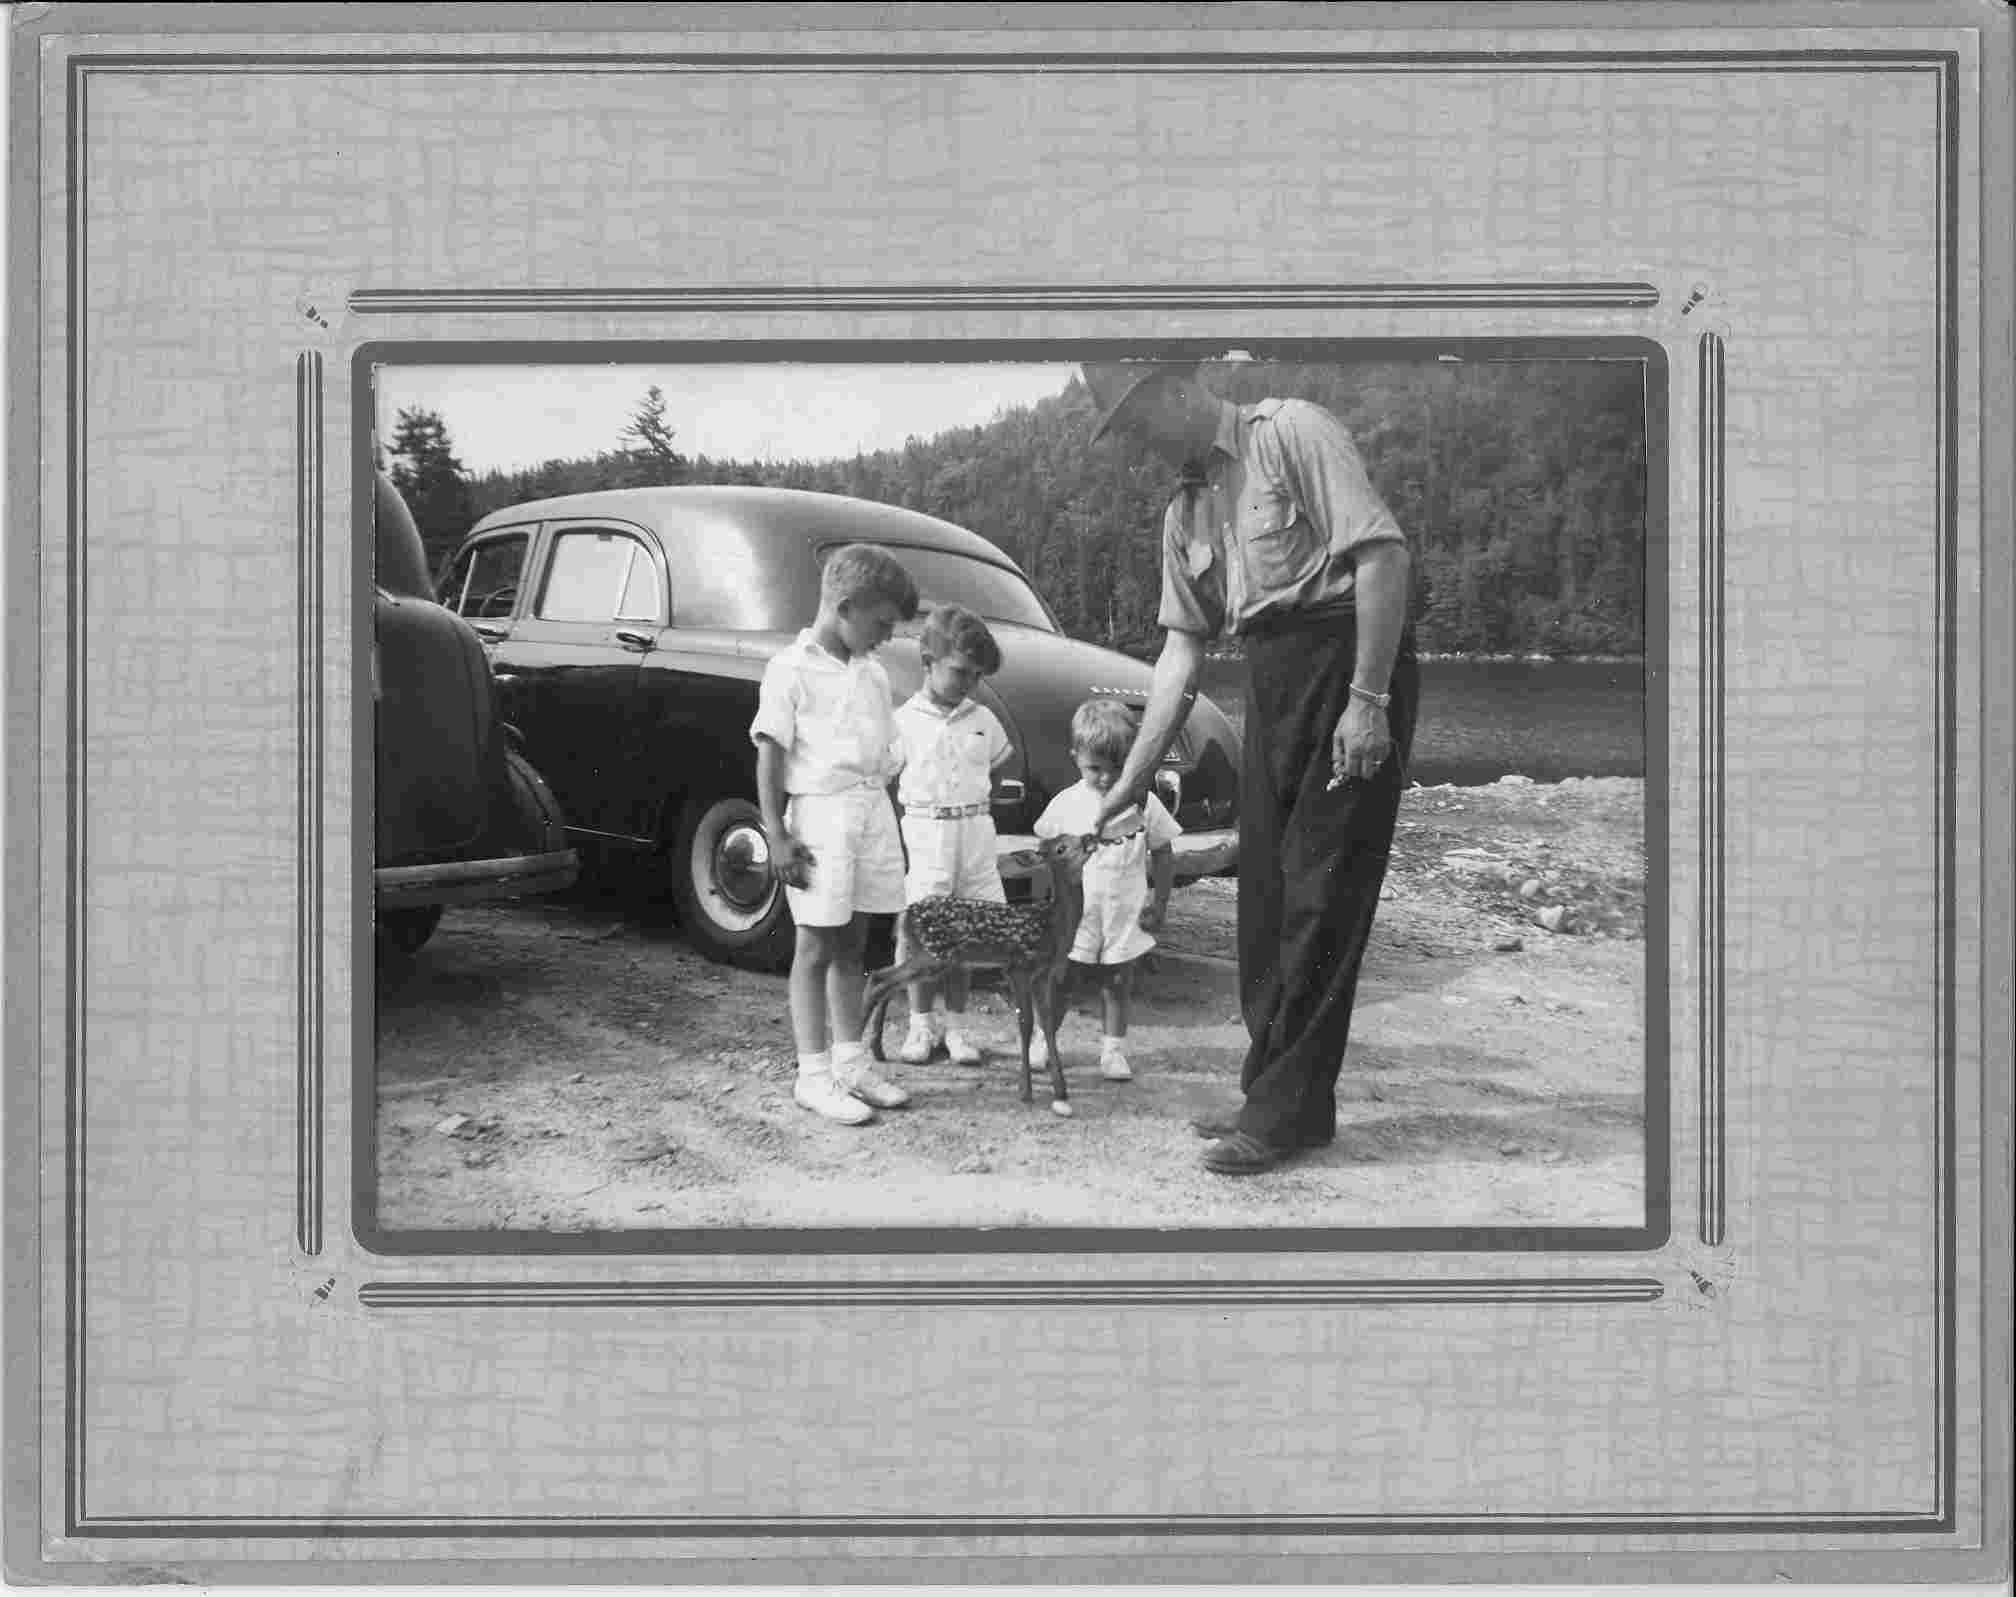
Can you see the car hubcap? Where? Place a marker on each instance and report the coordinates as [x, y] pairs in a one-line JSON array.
[[742, 867]]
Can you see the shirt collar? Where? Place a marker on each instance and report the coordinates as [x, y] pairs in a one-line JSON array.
[[819, 654], [923, 701]]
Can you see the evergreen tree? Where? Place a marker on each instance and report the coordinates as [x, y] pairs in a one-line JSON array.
[[430, 479], [650, 441]]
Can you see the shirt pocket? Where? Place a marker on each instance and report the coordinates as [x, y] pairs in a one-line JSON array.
[[1272, 539]]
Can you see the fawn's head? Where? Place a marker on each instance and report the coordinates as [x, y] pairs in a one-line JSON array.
[[1064, 855]]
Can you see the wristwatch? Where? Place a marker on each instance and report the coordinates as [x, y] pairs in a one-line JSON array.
[[1380, 699]]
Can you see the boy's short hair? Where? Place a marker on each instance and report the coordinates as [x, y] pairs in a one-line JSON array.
[[864, 573], [1104, 729], [952, 629]]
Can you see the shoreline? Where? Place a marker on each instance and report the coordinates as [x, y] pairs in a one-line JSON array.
[[1513, 779], [1221, 656]]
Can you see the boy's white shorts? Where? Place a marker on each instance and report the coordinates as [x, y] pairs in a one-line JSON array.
[[956, 857], [859, 864]]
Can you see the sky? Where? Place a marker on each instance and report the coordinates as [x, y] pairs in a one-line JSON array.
[[509, 417]]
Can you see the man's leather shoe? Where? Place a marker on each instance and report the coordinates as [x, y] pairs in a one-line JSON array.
[[1243, 1154], [1225, 1124]]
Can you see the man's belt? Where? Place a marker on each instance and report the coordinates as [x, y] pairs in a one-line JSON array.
[[947, 812]]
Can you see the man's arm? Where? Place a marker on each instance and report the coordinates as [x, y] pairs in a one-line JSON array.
[[1363, 740], [1381, 594], [1169, 701]]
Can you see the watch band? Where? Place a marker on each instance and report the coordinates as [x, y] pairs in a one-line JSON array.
[[1380, 699]]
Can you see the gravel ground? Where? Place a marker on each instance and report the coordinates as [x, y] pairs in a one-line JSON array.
[[568, 1065]]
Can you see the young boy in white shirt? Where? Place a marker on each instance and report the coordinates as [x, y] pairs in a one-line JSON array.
[[1121, 915], [826, 750], [951, 746]]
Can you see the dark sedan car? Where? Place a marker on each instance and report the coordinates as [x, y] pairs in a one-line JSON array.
[[461, 813], [628, 630]]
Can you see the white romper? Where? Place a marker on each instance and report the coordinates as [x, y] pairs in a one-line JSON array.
[[1116, 875]]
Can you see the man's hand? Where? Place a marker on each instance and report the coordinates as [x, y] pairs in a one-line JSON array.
[[1153, 913], [1115, 803], [1361, 744], [791, 861]]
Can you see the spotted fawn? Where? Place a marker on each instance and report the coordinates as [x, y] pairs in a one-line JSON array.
[[1028, 942]]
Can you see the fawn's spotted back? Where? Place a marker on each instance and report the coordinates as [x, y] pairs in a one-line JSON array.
[[945, 927]]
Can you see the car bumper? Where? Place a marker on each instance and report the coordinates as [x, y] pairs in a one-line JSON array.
[[472, 881], [1198, 854]]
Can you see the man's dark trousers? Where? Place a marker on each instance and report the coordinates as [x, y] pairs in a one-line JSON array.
[[1312, 859]]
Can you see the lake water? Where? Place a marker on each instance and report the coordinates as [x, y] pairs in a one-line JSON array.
[[1483, 719]]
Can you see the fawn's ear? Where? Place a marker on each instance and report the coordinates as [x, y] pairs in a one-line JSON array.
[[1022, 862]]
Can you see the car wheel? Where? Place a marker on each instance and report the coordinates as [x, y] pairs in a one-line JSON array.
[[403, 932], [732, 908]]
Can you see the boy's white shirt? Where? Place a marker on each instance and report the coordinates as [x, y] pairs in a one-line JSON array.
[[939, 766], [835, 719]]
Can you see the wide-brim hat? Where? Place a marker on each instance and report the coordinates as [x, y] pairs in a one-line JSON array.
[[1114, 382]]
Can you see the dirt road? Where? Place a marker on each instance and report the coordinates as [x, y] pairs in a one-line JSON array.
[[569, 1065]]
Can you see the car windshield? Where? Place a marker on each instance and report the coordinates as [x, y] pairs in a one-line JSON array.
[[989, 591]]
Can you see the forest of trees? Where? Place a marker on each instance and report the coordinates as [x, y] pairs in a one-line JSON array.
[[1522, 485]]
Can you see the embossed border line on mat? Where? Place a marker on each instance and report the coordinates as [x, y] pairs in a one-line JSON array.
[[1944, 64], [1043, 296], [1713, 799], [954, 1293], [310, 731]]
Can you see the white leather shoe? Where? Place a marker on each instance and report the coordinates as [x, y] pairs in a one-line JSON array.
[[870, 1088], [960, 1050], [826, 1097]]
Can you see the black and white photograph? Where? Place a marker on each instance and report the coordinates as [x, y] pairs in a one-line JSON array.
[[1297, 982], [1195, 794]]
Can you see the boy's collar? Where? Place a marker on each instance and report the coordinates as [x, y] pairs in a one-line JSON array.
[[923, 700], [810, 638]]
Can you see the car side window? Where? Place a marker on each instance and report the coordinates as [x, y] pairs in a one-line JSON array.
[[600, 575], [641, 601], [484, 579]]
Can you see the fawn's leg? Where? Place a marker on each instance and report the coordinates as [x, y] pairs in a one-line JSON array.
[[877, 990], [1051, 991], [1019, 984]]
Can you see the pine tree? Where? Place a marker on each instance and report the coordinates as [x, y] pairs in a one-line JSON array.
[[649, 439], [431, 480]]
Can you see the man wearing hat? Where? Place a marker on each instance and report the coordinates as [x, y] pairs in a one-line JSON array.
[[1277, 537]]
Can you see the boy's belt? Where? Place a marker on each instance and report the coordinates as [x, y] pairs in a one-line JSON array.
[[947, 812]]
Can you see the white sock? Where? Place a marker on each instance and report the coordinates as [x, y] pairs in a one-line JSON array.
[[819, 1064], [848, 1056]]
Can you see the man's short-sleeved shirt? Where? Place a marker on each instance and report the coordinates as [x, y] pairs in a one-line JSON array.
[[1276, 525], [948, 755], [835, 719]]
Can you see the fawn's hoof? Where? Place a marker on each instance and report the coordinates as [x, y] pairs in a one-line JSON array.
[[1059, 1107]]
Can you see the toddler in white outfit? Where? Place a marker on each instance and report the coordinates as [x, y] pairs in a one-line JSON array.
[[951, 746], [1127, 878]]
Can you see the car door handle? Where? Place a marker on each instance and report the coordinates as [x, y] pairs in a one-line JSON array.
[[494, 634], [505, 679], [640, 641]]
